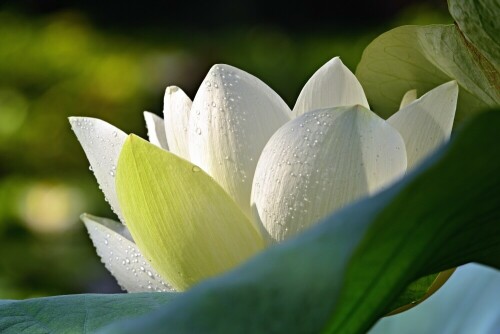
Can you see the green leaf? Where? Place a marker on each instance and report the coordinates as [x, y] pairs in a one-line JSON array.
[[423, 57], [75, 313], [468, 303], [480, 24], [419, 290], [180, 218], [343, 274]]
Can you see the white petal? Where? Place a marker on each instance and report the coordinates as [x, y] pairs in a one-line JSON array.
[[321, 161], [121, 257], [102, 143], [408, 98], [156, 130], [233, 116], [176, 108], [333, 85], [426, 123]]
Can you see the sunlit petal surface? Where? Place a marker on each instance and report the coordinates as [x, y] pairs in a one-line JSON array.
[[321, 161], [233, 116]]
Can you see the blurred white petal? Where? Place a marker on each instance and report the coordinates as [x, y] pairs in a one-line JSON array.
[[467, 303], [333, 85], [176, 109], [426, 123], [408, 98], [233, 116], [121, 257], [156, 130], [102, 143], [321, 161]]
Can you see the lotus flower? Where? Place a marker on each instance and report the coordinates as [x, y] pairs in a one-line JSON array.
[[263, 172]]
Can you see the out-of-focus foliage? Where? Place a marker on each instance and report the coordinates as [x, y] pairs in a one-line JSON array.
[[61, 65]]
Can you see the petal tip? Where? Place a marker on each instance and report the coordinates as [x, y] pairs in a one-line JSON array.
[[171, 90]]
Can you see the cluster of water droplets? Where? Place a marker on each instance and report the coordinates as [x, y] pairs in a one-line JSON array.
[[102, 144], [223, 114], [294, 181], [123, 259]]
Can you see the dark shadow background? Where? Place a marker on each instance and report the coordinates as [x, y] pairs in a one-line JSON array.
[[112, 60]]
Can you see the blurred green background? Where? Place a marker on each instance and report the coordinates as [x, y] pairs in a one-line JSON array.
[[113, 61]]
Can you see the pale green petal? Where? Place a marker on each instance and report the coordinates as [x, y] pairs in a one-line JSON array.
[[333, 85], [321, 161], [408, 98], [427, 122], [179, 217], [121, 257], [233, 116], [156, 130], [102, 143], [176, 109]]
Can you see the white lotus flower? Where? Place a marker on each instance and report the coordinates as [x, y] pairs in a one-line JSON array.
[[285, 169]]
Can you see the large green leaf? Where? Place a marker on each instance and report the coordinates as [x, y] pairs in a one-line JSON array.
[[479, 22], [468, 303], [75, 313], [422, 57], [345, 273]]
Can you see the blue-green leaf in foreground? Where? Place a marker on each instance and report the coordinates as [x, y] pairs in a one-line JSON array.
[[180, 218], [75, 313], [468, 303], [343, 274], [421, 58]]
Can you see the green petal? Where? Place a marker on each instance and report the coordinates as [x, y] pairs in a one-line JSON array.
[[180, 218]]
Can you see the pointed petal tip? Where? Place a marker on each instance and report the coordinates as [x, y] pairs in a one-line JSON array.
[[336, 60], [133, 139], [73, 120], [453, 85], [332, 85], [172, 89]]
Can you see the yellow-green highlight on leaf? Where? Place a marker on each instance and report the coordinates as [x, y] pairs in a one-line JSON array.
[[181, 219], [419, 291]]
